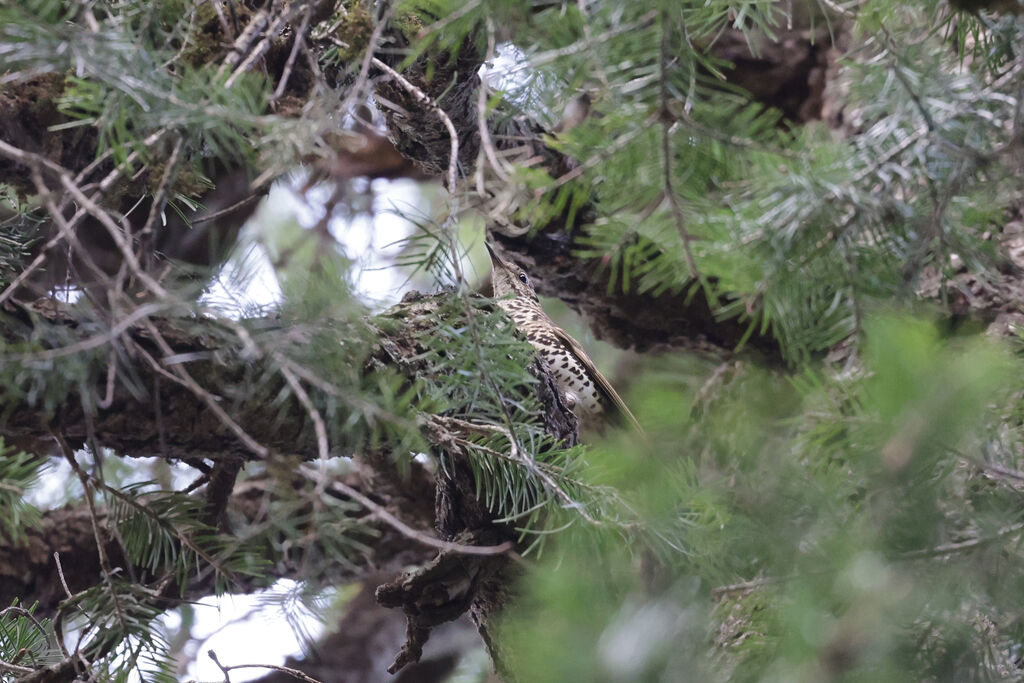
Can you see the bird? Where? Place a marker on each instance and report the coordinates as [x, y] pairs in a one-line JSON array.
[[585, 390]]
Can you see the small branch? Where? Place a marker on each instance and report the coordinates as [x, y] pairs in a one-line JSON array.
[[258, 449], [213, 655], [583, 45], [453, 155], [15, 668], [606, 152], [500, 166], [101, 546], [516, 455], [160, 197], [94, 342], [116, 233], [300, 39], [440, 24], [953, 548], [294, 673], [746, 586], [666, 153], [409, 532]]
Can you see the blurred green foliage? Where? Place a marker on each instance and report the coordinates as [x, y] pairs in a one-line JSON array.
[[822, 528]]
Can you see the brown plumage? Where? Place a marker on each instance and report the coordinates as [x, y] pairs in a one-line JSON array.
[[585, 389]]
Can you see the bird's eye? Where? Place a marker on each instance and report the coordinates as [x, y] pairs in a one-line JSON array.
[[523, 278]]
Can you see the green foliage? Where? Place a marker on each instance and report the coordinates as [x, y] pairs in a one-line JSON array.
[[118, 635], [816, 523], [800, 229], [18, 473], [164, 533], [858, 510], [26, 638]]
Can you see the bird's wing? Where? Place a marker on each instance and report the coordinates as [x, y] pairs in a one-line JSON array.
[[604, 387]]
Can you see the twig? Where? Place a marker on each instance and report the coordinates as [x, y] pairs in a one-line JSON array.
[[21, 611], [213, 655], [264, 45], [93, 342], [450, 18], [161, 193], [744, 586], [409, 532], [300, 38], [953, 548], [501, 168], [63, 232], [516, 454], [116, 234], [453, 154], [88, 203], [356, 90], [666, 153], [323, 447], [294, 673], [57, 620], [223, 20], [606, 152], [206, 218], [60, 575], [244, 40], [256, 447], [15, 668], [108, 396], [583, 45], [65, 227], [427, 101], [101, 546]]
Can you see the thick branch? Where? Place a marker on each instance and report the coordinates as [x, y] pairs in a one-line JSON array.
[[28, 570]]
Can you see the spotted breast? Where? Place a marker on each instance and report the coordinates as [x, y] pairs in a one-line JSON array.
[[585, 389]]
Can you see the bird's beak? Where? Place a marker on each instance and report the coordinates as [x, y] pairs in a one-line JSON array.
[[495, 259]]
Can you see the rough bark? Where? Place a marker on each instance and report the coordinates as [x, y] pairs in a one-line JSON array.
[[29, 570]]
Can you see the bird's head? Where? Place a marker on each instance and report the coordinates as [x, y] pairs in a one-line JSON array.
[[509, 279]]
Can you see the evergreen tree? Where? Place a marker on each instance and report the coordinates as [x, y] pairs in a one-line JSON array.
[[803, 216]]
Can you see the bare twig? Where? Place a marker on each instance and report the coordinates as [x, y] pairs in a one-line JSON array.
[[161, 193], [14, 668], [245, 39], [261, 48], [427, 101], [96, 341], [450, 18], [294, 673], [65, 227], [60, 575], [606, 152], [453, 154], [117, 234], [746, 586], [206, 397], [213, 655], [501, 167], [398, 525], [953, 548], [300, 39], [101, 546], [108, 395]]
